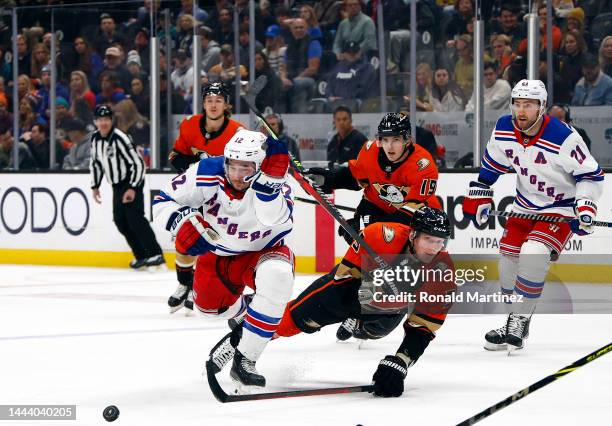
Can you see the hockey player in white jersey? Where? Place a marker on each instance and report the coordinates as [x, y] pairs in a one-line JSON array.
[[233, 212], [556, 176]]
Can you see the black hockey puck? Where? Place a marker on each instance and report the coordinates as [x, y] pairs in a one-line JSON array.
[[110, 413]]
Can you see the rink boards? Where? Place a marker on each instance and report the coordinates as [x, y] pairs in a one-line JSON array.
[[51, 219]]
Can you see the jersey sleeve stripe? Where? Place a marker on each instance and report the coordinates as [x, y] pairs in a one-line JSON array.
[[597, 175]]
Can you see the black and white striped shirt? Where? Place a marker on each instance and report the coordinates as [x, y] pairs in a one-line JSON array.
[[115, 157]]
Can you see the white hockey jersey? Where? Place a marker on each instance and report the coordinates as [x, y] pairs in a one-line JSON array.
[[553, 168], [244, 221]]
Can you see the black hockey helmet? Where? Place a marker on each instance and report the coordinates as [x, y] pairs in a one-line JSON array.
[[394, 124], [432, 222], [103, 111], [216, 88]]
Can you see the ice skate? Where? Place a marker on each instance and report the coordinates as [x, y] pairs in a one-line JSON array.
[[495, 340], [517, 331], [177, 300], [345, 331], [155, 263], [223, 352], [244, 374], [189, 304], [138, 264]]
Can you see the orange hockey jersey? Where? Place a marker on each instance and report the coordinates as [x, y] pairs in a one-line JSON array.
[[414, 180]]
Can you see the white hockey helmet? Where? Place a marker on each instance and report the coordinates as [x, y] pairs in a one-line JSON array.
[[246, 145]]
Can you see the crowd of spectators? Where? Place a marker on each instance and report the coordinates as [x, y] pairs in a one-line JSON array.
[[317, 55]]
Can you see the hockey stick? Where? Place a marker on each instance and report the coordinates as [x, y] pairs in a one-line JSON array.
[[223, 397], [537, 385], [297, 171], [544, 218], [339, 207]]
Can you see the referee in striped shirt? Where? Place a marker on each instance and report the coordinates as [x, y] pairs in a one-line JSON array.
[[113, 155]]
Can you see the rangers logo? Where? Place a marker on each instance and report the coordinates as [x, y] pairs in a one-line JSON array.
[[391, 193], [388, 233], [423, 163]]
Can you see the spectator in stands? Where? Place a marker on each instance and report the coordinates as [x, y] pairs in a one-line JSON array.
[[225, 71], [28, 116], [25, 89], [142, 49], [108, 34], [243, 44], [140, 96], [300, 67], [62, 112], [595, 87], [509, 25], [356, 27], [38, 142], [464, 12], [79, 89], [284, 19], [605, 55], [45, 91], [40, 58], [327, 13], [275, 47], [130, 122], [187, 9], [24, 62], [573, 51], [446, 96], [464, 68], [353, 77], [556, 34], [423, 80], [307, 13], [6, 118], [562, 112], [134, 65], [269, 97], [26, 161], [79, 154], [110, 92], [182, 76], [211, 51], [4, 98], [347, 142], [6, 68], [223, 29], [276, 123], [113, 62], [87, 60], [575, 22], [184, 36], [502, 52], [496, 91]]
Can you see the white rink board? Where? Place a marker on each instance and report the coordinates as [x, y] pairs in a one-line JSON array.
[[45, 212]]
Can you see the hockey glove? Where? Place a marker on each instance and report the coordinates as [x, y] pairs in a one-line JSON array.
[[585, 211], [322, 177], [355, 224], [194, 236], [276, 162], [478, 203], [389, 377]]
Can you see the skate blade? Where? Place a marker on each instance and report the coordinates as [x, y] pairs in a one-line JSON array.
[[173, 309], [157, 268], [242, 389], [189, 312], [512, 348], [495, 346], [361, 343]]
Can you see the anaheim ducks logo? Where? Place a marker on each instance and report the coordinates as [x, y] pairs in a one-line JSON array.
[[388, 233], [423, 163], [391, 193]]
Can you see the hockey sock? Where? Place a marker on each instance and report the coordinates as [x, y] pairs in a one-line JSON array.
[[184, 273], [508, 268], [534, 262], [273, 282]]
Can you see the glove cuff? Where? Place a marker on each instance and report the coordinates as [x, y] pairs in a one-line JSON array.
[[267, 185], [396, 363], [479, 190], [177, 218]]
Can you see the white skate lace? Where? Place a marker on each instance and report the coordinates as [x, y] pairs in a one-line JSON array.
[[501, 331], [248, 366], [516, 325], [350, 324], [180, 291], [223, 354]]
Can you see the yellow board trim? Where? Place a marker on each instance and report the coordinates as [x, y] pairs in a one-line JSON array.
[[304, 264]]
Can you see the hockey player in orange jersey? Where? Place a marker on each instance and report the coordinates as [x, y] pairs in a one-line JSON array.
[[343, 293], [200, 136]]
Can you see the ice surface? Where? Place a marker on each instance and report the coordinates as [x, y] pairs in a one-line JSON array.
[[96, 337]]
